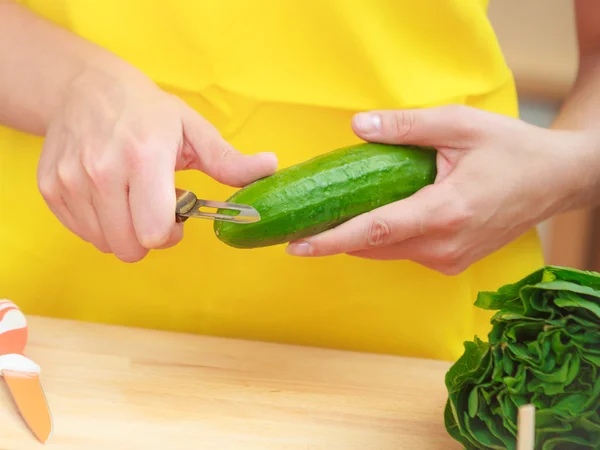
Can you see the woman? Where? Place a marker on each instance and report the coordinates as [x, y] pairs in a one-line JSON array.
[[103, 101]]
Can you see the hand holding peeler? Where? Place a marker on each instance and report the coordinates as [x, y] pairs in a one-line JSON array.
[[188, 205], [22, 375]]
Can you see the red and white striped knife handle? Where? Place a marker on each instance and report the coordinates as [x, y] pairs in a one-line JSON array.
[[13, 339]]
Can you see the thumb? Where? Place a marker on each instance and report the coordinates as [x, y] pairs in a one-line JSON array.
[[452, 126], [206, 150]]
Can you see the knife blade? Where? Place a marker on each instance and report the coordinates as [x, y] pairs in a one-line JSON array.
[[22, 375], [27, 392]]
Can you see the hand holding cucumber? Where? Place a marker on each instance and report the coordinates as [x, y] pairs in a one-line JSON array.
[[108, 162], [496, 178]]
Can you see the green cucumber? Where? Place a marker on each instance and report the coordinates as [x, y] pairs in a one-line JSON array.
[[325, 191]]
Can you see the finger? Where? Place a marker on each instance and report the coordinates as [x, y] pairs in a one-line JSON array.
[[67, 220], [50, 189], [450, 126], [446, 255], [78, 200], [408, 249], [174, 238], [115, 219], [59, 208], [392, 223], [48, 185], [390, 254], [412, 250], [110, 200], [152, 197], [217, 158]]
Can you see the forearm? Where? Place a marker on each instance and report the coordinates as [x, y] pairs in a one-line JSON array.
[[580, 117], [580, 113], [38, 63], [581, 108]]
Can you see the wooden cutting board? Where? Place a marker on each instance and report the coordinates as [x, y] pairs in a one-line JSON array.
[[116, 388]]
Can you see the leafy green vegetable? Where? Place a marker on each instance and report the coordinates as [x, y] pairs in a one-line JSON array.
[[544, 348]]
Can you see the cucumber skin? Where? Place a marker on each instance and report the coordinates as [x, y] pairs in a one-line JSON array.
[[323, 192]]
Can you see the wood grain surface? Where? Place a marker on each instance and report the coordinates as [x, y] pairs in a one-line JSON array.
[[116, 388]]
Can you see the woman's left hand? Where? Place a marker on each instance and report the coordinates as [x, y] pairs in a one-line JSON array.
[[497, 177]]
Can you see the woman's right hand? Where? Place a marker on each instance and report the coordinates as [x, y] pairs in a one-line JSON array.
[[108, 162]]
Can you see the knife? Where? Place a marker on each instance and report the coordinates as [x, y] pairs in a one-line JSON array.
[[188, 205], [22, 375]]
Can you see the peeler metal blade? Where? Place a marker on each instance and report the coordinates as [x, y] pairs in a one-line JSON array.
[[188, 205]]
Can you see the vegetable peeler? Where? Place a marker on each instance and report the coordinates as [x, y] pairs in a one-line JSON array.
[[188, 205]]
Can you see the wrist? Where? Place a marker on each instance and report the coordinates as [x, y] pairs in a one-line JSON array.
[[46, 62], [94, 82], [589, 182], [579, 168]]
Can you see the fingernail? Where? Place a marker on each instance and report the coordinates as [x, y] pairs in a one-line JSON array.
[[268, 161], [368, 122], [298, 249], [272, 156]]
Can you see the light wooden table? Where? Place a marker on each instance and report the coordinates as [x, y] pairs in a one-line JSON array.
[[115, 388]]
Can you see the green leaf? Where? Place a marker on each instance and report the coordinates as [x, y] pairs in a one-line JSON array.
[[572, 405], [451, 424], [573, 302], [567, 443], [543, 348], [470, 366], [473, 403]]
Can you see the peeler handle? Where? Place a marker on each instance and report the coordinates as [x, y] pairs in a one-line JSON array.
[[184, 204], [188, 205]]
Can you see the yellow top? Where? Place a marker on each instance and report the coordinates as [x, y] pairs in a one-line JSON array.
[[272, 76]]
